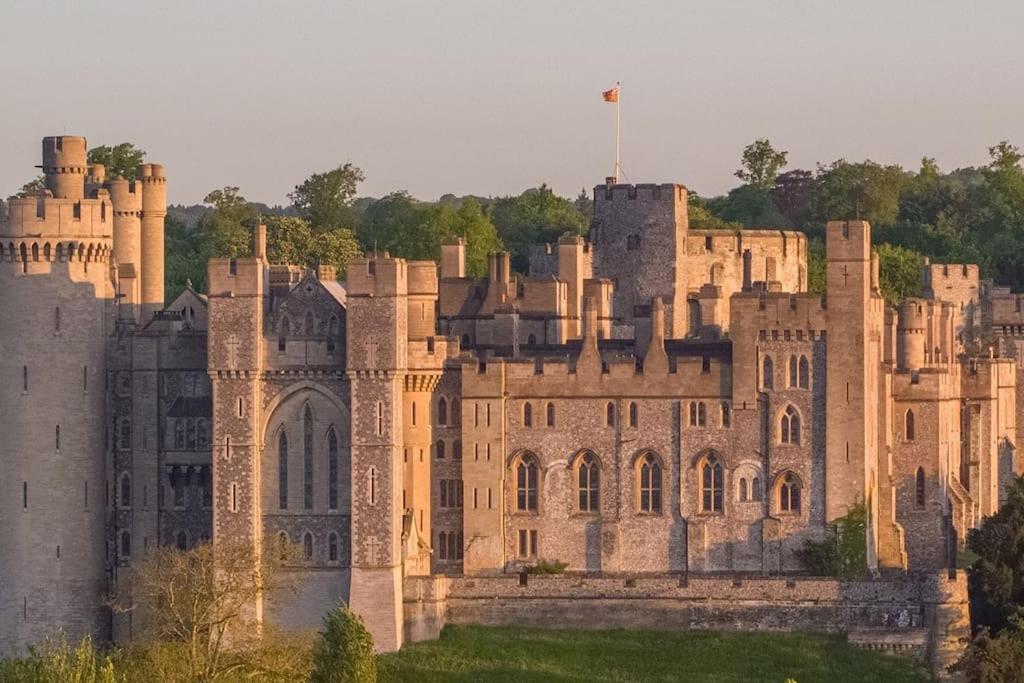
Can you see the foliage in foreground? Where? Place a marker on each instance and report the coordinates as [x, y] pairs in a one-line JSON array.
[[996, 580], [344, 651], [58, 661], [843, 551]]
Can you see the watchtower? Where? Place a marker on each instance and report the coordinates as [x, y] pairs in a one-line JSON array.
[[639, 242], [57, 298]]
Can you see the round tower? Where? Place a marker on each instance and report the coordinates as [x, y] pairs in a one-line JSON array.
[[65, 166], [910, 336], [56, 295], [154, 210]]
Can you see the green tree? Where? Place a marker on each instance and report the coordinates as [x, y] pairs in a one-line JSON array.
[[121, 160], [748, 205], [864, 190], [997, 577], [536, 216], [325, 199], [899, 272], [471, 223], [760, 164], [291, 240], [400, 225], [344, 651]]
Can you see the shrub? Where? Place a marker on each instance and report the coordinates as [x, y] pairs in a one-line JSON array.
[[843, 552], [547, 567], [344, 651], [56, 661]]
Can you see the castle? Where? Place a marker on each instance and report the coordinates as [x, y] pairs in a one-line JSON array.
[[654, 402]]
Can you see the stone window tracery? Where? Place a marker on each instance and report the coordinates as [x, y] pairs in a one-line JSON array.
[[789, 427], [712, 477], [789, 493], [588, 483], [649, 477], [526, 471], [282, 471]]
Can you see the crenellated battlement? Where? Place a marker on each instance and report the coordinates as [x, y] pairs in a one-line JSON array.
[[643, 192], [42, 216]]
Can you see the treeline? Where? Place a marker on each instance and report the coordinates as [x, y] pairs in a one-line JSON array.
[[967, 215]]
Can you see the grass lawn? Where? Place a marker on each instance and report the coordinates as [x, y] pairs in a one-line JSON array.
[[474, 653]]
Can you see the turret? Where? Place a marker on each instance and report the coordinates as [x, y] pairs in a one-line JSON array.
[[154, 210], [453, 257], [64, 166], [910, 334]]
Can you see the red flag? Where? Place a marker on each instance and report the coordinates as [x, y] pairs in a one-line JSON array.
[[611, 95]]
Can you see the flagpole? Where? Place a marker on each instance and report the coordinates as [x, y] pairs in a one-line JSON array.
[[618, 101]]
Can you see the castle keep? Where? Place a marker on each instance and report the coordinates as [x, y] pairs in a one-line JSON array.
[[651, 401]]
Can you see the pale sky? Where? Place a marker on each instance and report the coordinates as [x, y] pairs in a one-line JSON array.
[[490, 97]]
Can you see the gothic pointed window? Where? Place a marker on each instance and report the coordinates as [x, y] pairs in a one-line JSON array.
[[588, 483], [634, 415], [711, 484], [526, 484], [332, 469], [805, 373], [551, 414], [527, 415], [909, 426], [307, 459], [610, 414], [282, 471], [789, 427], [744, 491], [307, 547], [793, 372], [726, 416], [649, 471], [789, 493], [767, 373], [442, 411], [439, 449]]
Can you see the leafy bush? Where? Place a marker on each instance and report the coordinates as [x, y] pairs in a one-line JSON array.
[[344, 652], [56, 661], [843, 552], [547, 567]]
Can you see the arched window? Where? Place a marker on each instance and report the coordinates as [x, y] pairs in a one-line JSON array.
[[551, 414], [634, 415], [919, 490], [56, 438], [332, 547], [726, 416], [805, 373], [332, 333], [909, 426], [182, 540], [307, 458], [588, 482], [649, 470], [767, 372], [531, 340], [755, 489], [439, 449], [332, 469], [442, 411], [789, 493], [282, 471], [526, 484], [308, 327], [793, 372], [282, 334], [744, 491], [35, 252], [527, 415], [126, 491], [610, 414], [126, 544], [712, 479], [789, 427], [307, 547]]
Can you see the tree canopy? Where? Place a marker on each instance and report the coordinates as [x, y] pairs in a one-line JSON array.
[[325, 199], [761, 164], [120, 161]]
